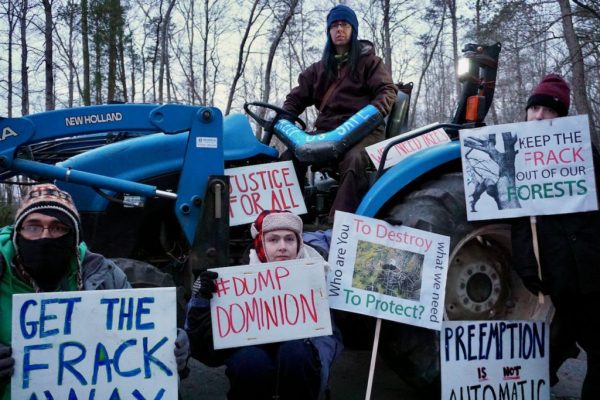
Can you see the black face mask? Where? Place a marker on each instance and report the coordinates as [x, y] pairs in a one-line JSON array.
[[47, 259]]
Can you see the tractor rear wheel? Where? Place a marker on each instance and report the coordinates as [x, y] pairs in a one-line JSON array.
[[480, 284], [140, 274]]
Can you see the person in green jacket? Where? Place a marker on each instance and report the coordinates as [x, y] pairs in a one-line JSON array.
[[43, 252]]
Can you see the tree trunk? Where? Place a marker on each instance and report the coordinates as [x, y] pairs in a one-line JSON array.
[[452, 9], [112, 50], [85, 49], [282, 27], [48, 55], [243, 54], [578, 86], [24, 54], [426, 66], [164, 50], [387, 47], [9, 81]]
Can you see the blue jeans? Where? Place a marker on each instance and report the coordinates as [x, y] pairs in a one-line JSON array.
[[289, 369]]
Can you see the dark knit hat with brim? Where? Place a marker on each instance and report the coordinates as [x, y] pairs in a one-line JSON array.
[[552, 92], [49, 200], [343, 13]]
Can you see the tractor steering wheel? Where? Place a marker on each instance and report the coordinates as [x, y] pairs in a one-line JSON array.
[[279, 114]]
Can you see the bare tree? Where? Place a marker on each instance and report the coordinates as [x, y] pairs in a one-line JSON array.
[[85, 38], [576, 57], [49, 55], [24, 54], [428, 53], [164, 50], [283, 24], [258, 7], [12, 19]]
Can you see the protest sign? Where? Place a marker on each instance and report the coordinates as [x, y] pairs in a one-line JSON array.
[[390, 272], [406, 147], [272, 186], [270, 302], [528, 168], [99, 344], [491, 360]]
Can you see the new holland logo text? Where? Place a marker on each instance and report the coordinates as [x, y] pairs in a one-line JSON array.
[[93, 119]]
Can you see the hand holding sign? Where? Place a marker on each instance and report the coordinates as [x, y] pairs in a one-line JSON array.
[[6, 363]]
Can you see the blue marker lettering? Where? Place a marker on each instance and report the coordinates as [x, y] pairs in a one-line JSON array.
[[68, 364], [141, 310], [148, 358], [28, 366]]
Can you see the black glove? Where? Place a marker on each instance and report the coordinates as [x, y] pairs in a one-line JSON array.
[[6, 363], [533, 284], [205, 285]]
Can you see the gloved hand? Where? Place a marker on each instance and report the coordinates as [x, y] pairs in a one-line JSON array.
[[205, 285], [6, 363], [182, 349], [533, 284]]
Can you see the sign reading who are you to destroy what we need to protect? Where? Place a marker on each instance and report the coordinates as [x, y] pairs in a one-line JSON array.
[[99, 344], [270, 302], [528, 168], [390, 272], [493, 360]]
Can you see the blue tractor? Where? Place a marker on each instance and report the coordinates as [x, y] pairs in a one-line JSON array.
[[150, 185]]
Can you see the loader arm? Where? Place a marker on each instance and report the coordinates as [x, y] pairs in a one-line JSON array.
[[203, 154]]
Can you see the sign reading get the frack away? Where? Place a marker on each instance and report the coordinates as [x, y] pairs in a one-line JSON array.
[[104, 344], [390, 272], [271, 302], [528, 168], [272, 186], [491, 360]]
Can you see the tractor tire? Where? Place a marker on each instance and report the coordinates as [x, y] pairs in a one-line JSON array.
[[480, 285], [143, 275]]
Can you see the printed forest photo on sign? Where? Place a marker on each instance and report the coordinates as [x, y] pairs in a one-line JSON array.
[[528, 168], [390, 272]]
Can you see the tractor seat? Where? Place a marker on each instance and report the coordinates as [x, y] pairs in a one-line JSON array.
[[239, 140]]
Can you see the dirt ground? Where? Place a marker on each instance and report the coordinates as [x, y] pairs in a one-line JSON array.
[[350, 376]]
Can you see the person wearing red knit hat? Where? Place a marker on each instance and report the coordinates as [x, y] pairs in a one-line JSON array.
[[569, 250], [295, 369]]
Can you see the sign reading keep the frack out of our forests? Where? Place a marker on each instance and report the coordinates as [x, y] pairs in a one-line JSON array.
[[104, 344], [396, 273], [271, 186], [407, 147], [528, 168], [270, 302], [491, 360]]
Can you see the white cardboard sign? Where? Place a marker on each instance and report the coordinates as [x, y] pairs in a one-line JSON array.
[[270, 302], [101, 344], [396, 273], [271, 186], [495, 360], [406, 147], [528, 168]]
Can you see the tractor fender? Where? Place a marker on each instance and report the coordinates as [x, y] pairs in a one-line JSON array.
[[403, 173]]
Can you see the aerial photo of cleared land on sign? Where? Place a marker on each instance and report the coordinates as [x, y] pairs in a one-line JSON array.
[[388, 271]]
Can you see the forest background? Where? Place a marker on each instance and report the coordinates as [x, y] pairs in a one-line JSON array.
[[65, 53]]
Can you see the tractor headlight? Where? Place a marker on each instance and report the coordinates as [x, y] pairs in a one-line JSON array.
[[464, 67]]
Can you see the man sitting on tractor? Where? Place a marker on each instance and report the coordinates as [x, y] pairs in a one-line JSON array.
[[348, 77]]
